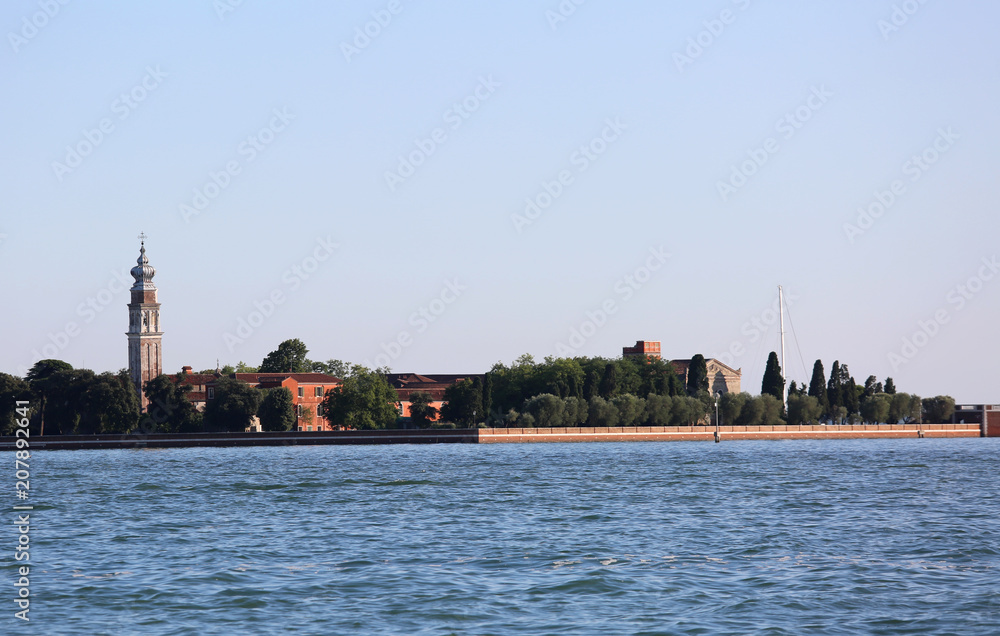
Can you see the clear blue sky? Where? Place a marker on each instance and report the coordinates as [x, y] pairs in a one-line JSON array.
[[184, 91]]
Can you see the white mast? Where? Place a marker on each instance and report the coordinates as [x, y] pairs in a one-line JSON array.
[[781, 324]]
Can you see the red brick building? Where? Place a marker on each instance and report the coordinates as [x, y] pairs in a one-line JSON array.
[[307, 389], [646, 348]]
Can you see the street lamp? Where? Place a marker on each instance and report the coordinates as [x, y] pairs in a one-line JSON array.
[[718, 435]]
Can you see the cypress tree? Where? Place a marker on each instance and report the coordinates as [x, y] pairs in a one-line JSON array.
[[609, 383], [773, 383], [697, 375], [833, 388], [890, 386]]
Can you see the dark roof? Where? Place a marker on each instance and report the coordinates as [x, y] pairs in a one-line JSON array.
[[415, 381]]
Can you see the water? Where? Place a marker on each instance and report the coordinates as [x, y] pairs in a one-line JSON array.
[[798, 537]]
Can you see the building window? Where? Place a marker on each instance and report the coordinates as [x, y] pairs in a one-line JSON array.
[[319, 410], [319, 391], [309, 428], [211, 392], [298, 410], [302, 391]]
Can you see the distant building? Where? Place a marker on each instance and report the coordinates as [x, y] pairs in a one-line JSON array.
[[307, 389], [721, 377], [407, 384], [145, 353], [642, 348]]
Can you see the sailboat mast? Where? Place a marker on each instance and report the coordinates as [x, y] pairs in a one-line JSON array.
[[781, 324]]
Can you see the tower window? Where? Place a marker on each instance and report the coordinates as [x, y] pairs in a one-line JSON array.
[[302, 391]]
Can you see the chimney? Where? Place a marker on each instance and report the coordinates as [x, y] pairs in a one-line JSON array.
[[186, 370]]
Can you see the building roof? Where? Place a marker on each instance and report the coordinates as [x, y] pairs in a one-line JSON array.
[[682, 365], [415, 381], [301, 378]]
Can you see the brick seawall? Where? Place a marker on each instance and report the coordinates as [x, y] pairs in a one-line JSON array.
[[496, 435]]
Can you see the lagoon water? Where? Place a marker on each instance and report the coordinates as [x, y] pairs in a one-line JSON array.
[[796, 537]]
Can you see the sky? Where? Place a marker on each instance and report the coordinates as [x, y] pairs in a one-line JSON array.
[[439, 186]]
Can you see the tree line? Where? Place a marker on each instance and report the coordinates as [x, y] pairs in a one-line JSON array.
[[581, 391]]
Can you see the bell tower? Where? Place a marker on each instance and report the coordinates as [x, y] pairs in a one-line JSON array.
[[145, 360]]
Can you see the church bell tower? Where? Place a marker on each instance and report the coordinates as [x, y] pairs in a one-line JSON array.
[[145, 360]]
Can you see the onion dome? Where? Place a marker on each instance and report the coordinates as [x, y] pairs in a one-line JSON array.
[[143, 272]]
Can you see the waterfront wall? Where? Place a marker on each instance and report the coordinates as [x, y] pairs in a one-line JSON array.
[[726, 433], [498, 435]]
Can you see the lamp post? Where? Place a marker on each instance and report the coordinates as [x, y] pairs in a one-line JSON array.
[[718, 435]]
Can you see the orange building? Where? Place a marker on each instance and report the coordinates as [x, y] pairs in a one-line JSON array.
[[307, 389], [647, 348]]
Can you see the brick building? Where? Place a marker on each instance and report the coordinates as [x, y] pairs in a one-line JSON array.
[[721, 377], [307, 389]]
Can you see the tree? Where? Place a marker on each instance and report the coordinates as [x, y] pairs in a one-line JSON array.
[[872, 386], [336, 368], [752, 412], [630, 409], [463, 403], [577, 410], [659, 409], [12, 389], [697, 375], [939, 409], [234, 406], [851, 393], [609, 381], [38, 378], [834, 390], [170, 410], [904, 407], [421, 411], [108, 404], [289, 357], [890, 386], [875, 408], [364, 401], [591, 384], [817, 386], [773, 383], [548, 410], [803, 409], [602, 412], [277, 410], [771, 408], [730, 407]]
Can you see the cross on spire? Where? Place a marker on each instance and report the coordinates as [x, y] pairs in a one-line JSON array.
[[142, 237]]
